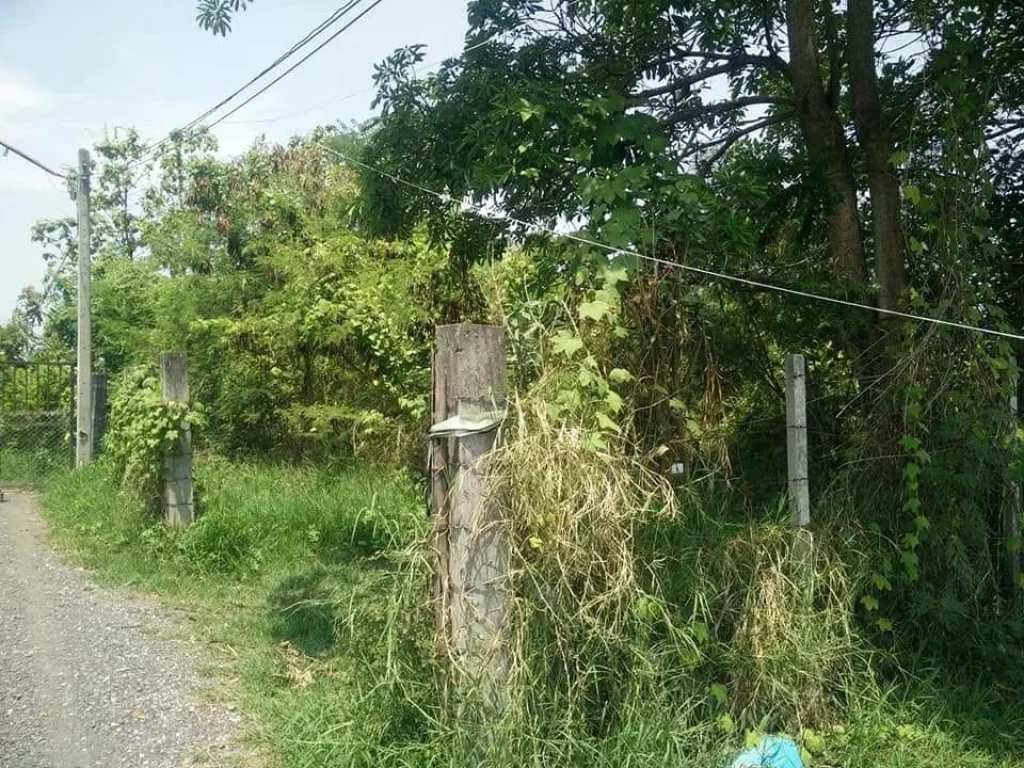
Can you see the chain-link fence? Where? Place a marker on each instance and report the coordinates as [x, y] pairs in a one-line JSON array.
[[36, 419]]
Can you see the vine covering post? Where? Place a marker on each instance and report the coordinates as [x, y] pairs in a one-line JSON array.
[[179, 502], [471, 570]]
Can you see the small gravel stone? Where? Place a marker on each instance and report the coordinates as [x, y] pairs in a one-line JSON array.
[[86, 676]]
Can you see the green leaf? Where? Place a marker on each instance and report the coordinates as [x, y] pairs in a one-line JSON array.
[[594, 310], [910, 562], [912, 193], [565, 343], [870, 603], [613, 400], [910, 443], [607, 423], [884, 624], [613, 277], [813, 742], [620, 375], [726, 723], [719, 693]]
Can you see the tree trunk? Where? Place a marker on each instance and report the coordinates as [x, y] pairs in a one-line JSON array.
[[826, 144], [874, 138]]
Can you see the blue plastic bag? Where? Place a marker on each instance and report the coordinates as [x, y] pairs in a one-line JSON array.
[[772, 752]]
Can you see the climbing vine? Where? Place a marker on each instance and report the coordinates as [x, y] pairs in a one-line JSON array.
[[143, 428]]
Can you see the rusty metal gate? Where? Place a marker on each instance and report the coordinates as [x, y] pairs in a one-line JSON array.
[[36, 418]]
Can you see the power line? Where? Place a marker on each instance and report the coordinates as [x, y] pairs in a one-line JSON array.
[[29, 158], [424, 69], [288, 71], [686, 267], [305, 40]]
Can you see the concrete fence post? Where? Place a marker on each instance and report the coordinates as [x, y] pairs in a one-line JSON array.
[[179, 502], [99, 410], [1010, 514], [796, 441]]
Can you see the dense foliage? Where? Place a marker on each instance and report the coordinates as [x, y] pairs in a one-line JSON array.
[[866, 151], [305, 337]]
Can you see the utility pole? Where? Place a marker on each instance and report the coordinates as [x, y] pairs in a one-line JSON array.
[[83, 427]]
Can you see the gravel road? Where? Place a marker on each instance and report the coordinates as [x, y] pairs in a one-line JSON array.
[[90, 677]]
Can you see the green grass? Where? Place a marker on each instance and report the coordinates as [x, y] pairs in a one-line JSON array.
[[314, 607], [32, 469]]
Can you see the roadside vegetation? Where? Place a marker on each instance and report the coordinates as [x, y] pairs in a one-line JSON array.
[[664, 612]]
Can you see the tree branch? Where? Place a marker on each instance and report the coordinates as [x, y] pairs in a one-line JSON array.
[[773, 61], [1008, 127], [685, 83], [728, 141], [704, 110]]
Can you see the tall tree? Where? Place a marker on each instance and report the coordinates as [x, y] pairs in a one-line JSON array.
[[581, 109]]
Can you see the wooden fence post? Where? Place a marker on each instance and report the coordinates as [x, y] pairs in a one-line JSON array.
[[796, 441], [179, 503], [1010, 514], [471, 570]]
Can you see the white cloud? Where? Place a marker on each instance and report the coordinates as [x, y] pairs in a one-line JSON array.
[[18, 96]]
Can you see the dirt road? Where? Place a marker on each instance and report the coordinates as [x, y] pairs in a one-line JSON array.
[[89, 677]]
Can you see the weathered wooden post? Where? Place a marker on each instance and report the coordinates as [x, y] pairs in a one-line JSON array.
[[1010, 514], [179, 504], [796, 441], [470, 584]]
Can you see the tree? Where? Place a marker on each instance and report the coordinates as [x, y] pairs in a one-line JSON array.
[[216, 15], [634, 95]]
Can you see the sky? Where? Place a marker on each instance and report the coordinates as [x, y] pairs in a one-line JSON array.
[[72, 71]]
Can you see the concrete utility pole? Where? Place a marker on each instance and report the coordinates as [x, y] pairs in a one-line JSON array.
[[83, 427], [796, 441]]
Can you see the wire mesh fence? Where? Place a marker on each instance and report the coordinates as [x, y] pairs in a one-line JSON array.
[[36, 419]]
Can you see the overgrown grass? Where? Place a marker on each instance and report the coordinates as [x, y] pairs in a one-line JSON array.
[[311, 589], [32, 469]]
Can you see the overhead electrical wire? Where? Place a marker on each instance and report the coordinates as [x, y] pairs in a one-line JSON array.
[[193, 127], [25, 156], [309, 36], [721, 276], [422, 69]]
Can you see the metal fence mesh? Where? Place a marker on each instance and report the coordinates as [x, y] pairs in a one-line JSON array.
[[36, 419]]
